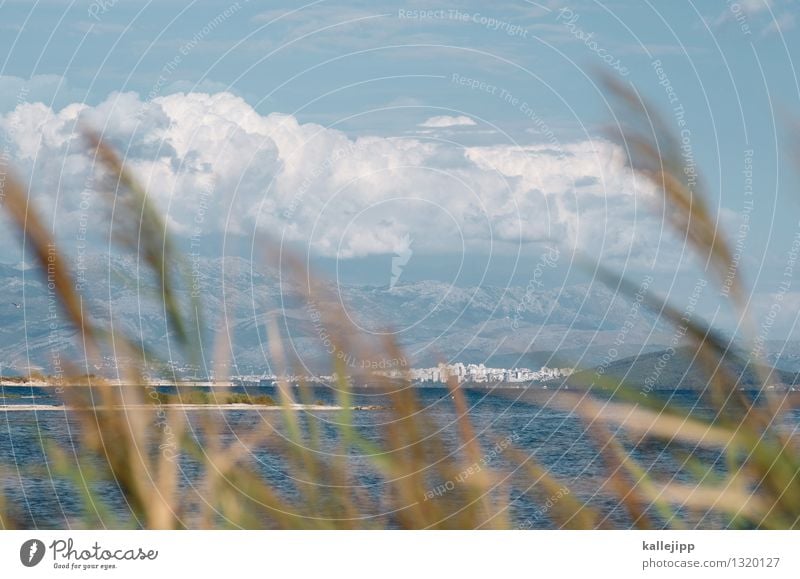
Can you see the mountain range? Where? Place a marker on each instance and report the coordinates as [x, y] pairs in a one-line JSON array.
[[431, 321]]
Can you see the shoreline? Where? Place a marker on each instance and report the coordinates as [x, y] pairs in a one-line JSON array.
[[776, 388], [44, 384], [156, 407]]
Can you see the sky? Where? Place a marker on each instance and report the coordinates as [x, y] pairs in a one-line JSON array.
[[457, 141]]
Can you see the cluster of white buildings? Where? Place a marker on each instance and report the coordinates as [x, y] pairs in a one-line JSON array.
[[479, 373], [470, 373]]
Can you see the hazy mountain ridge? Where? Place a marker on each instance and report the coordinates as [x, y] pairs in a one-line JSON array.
[[681, 369], [432, 321]]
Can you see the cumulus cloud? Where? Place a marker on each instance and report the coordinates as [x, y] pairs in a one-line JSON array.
[[444, 121], [214, 165]]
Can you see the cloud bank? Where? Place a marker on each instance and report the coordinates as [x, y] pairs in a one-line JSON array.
[[214, 166]]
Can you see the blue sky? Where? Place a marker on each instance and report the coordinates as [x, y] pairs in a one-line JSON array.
[[470, 134]]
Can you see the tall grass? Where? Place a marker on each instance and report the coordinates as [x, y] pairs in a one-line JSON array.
[[172, 472]]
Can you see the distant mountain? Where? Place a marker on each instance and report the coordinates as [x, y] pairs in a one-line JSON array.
[[784, 354], [680, 369], [432, 321]]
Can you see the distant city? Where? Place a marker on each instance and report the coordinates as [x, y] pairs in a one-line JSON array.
[[480, 373], [462, 373], [217, 375]]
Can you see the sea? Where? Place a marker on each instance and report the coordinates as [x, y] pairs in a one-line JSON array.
[[44, 498]]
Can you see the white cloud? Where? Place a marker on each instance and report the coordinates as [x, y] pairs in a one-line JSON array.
[[444, 121], [769, 16], [780, 24], [755, 6], [214, 165]]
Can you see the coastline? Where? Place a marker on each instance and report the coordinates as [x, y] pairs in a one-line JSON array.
[[296, 407]]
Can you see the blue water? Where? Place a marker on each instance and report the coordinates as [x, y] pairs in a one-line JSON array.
[[41, 497]]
